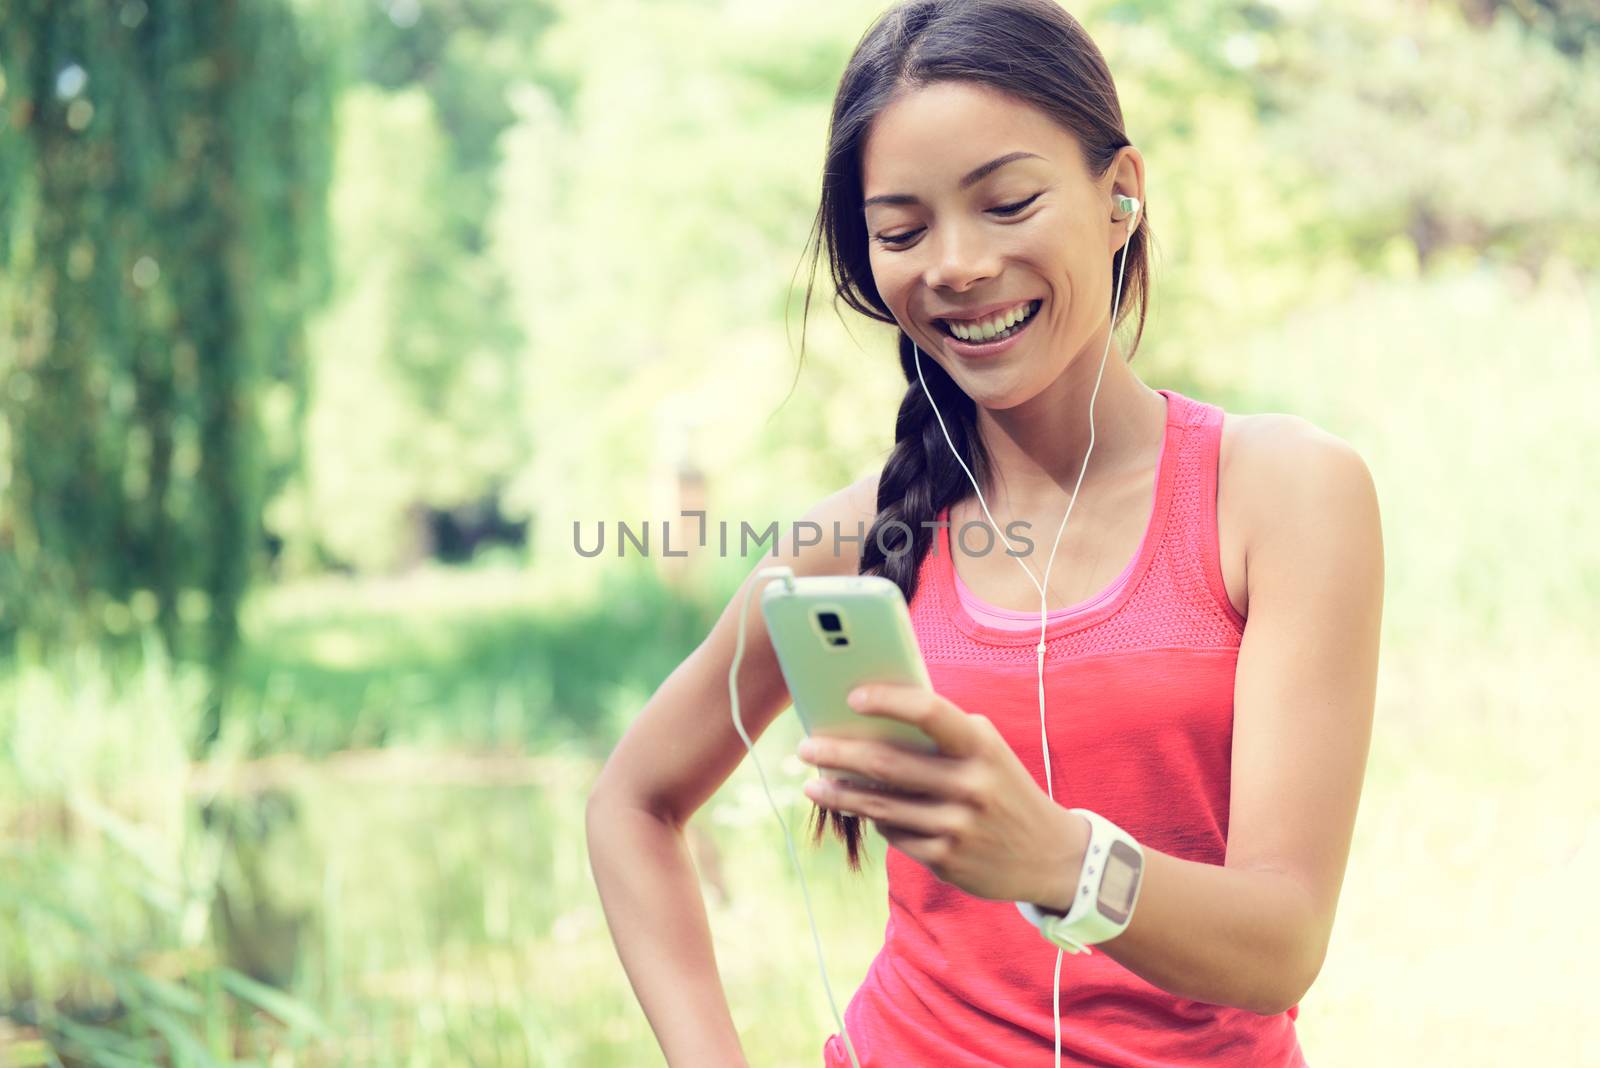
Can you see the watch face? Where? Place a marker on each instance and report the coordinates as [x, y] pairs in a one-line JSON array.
[[1120, 884]]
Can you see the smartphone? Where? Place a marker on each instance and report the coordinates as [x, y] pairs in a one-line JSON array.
[[833, 633]]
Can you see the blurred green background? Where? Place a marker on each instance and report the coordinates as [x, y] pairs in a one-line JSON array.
[[322, 323]]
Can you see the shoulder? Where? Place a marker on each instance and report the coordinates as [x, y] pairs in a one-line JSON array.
[[827, 539], [1297, 486], [1276, 453]]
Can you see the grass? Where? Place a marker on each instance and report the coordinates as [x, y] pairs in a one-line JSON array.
[[460, 657]]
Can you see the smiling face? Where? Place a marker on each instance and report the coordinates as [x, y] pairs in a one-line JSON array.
[[978, 202]]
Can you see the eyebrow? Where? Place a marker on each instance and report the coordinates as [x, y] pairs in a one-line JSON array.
[[976, 175]]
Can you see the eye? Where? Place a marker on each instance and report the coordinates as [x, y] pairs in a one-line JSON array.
[[1012, 209], [897, 240]]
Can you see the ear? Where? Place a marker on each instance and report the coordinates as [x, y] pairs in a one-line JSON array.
[[1125, 176]]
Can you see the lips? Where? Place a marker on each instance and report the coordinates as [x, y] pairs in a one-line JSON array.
[[970, 315]]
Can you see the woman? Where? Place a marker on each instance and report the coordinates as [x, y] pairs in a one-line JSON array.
[[1210, 636]]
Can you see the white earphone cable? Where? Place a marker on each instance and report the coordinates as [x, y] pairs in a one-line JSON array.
[[1042, 586], [738, 725]]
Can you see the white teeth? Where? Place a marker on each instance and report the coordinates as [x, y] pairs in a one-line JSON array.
[[990, 327]]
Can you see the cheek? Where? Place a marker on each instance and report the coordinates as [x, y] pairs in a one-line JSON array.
[[1065, 304], [892, 279], [895, 285], [1066, 284]]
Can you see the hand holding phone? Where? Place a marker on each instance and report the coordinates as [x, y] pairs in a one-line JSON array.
[[832, 633]]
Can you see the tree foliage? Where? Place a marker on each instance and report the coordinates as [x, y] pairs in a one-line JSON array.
[[295, 273], [165, 174]]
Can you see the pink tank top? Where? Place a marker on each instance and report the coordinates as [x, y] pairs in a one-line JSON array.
[[1139, 699], [1010, 619]]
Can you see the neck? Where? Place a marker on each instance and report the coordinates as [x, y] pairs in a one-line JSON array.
[[1037, 448]]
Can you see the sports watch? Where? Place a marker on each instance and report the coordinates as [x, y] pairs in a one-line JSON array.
[[1108, 888]]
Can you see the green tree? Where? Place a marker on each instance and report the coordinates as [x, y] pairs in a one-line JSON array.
[[416, 384], [160, 244]]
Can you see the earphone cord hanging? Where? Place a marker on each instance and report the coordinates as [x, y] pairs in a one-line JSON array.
[[738, 725], [1043, 603]]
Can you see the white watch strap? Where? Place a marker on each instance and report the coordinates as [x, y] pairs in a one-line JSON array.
[[1090, 921]]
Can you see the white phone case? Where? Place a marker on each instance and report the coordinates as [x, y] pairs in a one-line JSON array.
[[873, 642]]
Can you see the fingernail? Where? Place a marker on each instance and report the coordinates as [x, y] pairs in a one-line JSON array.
[[857, 698]]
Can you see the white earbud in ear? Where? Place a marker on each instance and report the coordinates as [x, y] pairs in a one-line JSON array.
[[1130, 205]]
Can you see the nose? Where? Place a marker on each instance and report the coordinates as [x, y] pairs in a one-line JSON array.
[[960, 260]]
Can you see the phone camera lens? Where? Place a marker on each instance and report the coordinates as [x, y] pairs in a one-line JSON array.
[[829, 621]]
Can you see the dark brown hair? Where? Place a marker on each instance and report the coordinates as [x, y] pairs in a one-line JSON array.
[[1036, 52]]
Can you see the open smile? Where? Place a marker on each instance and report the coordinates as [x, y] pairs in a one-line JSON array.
[[991, 327], [991, 335]]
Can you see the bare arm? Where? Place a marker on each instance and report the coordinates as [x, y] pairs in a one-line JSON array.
[[674, 756], [1254, 932], [657, 916]]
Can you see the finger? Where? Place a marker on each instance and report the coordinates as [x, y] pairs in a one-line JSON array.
[[919, 817], [902, 838], [923, 848], [897, 768], [947, 725]]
